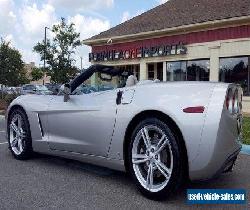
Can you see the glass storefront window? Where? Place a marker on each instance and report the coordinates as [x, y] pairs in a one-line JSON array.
[[176, 71], [236, 70], [198, 70], [135, 69], [155, 71], [151, 72], [195, 70], [160, 71]]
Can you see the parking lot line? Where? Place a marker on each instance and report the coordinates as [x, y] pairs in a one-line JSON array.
[[2, 131], [3, 143]]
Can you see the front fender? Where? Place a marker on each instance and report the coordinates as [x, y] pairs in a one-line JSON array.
[[34, 106]]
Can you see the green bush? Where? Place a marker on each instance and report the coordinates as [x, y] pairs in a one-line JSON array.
[[246, 130], [10, 97], [3, 104], [6, 99]]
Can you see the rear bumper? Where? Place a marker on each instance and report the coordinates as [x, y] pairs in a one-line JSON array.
[[219, 149], [228, 164], [216, 166]]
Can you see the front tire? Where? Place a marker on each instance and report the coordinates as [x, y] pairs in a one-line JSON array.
[[154, 159], [19, 137]]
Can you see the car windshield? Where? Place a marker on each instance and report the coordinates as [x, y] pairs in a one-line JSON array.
[[98, 86], [41, 88], [86, 89], [99, 78]]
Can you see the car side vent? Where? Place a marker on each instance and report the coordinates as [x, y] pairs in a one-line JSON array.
[[40, 124]]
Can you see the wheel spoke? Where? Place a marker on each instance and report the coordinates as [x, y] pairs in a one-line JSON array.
[[19, 122], [14, 127], [14, 142], [146, 137], [150, 177], [22, 133], [139, 158], [162, 143], [163, 169], [20, 145]]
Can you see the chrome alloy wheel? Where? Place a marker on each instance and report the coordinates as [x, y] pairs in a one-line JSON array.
[[17, 134], [152, 158]]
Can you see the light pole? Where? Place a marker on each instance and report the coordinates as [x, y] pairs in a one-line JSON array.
[[81, 63], [45, 48], [1, 84]]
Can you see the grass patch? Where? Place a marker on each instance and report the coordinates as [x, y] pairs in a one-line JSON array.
[[246, 130]]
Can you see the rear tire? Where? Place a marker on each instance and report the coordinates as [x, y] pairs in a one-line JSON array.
[[19, 136], [154, 159]]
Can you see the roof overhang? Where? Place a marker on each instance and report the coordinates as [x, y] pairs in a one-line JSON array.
[[236, 21]]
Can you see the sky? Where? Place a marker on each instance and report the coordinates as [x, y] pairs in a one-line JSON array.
[[22, 22]]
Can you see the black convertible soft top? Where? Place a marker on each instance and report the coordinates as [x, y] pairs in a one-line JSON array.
[[109, 70]]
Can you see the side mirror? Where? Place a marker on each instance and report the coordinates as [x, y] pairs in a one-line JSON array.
[[66, 92]]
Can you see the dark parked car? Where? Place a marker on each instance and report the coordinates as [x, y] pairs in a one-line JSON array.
[[86, 89], [54, 88], [35, 89]]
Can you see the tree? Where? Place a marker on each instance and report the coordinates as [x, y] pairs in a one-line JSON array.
[[37, 74], [59, 52], [12, 71]]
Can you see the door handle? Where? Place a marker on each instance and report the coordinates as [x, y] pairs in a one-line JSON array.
[[119, 97]]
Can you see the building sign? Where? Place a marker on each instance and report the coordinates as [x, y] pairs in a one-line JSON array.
[[142, 52]]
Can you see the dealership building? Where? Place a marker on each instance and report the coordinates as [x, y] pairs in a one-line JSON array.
[[182, 40]]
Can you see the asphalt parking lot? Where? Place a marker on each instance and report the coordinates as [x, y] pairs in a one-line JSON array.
[[46, 182]]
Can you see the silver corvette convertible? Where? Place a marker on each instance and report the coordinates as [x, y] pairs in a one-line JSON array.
[[161, 133]]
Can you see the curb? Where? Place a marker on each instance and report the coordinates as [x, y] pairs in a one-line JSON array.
[[245, 149]]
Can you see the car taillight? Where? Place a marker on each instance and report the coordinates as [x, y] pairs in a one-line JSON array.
[[229, 101], [236, 102], [240, 102], [232, 101]]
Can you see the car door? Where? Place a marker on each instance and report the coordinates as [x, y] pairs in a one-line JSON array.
[[84, 124]]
